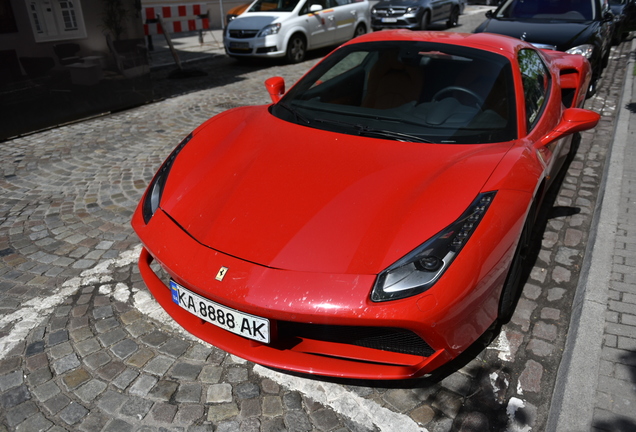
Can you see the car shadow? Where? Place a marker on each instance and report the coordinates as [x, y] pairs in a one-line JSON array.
[[214, 71]]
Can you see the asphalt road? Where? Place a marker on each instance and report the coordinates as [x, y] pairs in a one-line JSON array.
[[84, 347]]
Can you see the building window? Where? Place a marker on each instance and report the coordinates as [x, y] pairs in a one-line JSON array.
[[68, 14], [54, 20], [37, 27]]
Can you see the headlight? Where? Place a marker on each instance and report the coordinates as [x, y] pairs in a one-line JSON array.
[[155, 189], [584, 50], [271, 29], [420, 269], [412, 9]]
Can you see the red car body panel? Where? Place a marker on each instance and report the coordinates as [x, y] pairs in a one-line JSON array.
[[369, 187], [304, 220]]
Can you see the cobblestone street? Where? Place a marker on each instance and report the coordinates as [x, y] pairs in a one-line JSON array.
[[84, 347]]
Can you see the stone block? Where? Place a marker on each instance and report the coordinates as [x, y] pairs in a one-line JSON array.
[[73, 413]]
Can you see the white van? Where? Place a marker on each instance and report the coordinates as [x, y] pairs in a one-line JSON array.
[[289, 28]]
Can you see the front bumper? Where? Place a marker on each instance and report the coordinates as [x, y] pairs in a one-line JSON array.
[[330, 337], [406, 21], [254, 47], [325, 324]]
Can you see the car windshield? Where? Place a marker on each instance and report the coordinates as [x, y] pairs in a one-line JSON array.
[[407, 91], [273, 6], [548, 10]]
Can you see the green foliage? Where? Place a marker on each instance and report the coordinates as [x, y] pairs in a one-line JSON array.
[[114, 17]]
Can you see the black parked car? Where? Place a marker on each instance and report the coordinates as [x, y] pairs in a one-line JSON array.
[[576, 26], [414, 14], [624, 18]]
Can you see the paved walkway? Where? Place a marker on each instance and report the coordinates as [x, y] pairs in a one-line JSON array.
[[596, 387]]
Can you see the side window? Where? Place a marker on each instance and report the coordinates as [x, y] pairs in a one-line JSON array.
[[326, 4], [536, 84]]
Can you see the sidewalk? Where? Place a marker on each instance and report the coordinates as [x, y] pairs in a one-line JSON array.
[[596, 383], [190, 47]]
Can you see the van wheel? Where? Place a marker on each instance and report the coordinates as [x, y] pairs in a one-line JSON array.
[[360, 30], [296, 49]]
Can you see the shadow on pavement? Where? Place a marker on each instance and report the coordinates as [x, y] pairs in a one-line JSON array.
[[216, 70]]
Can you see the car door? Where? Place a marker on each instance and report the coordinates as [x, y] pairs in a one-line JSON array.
[[440, 9], [346, 16], [630, 13], [319, 24]]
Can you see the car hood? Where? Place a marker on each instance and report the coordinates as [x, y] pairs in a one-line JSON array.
[[290, 197], [255, 20], [563, 35], [401, 3]]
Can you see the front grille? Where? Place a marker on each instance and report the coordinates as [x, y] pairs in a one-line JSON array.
[[240, 50], [243, 34], [390, 12], [381, 338]]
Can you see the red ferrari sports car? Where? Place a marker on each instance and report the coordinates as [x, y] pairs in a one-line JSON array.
[[372, 221]]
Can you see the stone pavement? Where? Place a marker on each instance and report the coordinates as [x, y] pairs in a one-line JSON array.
[[83, 347], [596, 387]]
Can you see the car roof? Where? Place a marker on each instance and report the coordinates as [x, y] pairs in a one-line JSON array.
[[499, 44]]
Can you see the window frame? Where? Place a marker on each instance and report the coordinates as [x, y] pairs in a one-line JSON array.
[[50, 20], [532, 116]]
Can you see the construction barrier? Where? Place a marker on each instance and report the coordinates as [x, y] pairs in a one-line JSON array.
[[176, 19]]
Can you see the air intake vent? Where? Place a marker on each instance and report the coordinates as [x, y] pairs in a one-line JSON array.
[[380, 338]]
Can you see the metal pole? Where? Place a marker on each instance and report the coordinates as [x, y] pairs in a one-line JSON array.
[[175, 55]]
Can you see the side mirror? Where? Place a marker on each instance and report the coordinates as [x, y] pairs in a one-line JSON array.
[[315, 7], [608, 16], [573, 120], [275, 87], [489, 14]]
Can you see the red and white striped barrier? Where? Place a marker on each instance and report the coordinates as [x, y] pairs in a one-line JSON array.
[[176, 18]]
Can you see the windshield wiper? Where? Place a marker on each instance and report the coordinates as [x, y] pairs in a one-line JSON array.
[[376, 133], [380, 133], [295, 113]]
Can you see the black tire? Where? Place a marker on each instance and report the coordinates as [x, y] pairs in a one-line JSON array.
[[425, 21], [453, 19], [360, 30], [606, 58], [513, 287], [296, 49]]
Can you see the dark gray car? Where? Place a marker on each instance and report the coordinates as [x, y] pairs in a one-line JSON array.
[[624, 18], [575, 26], [414, 14]]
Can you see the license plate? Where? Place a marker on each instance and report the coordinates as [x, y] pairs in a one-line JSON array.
[[389, 20], [240, 45], [237, 322]]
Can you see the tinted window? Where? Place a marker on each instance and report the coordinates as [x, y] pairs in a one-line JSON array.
[[536, 84], [566, 10], [273, 6], [407, 91]]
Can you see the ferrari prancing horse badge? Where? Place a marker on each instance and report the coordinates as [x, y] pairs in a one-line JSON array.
[[221, 274]]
